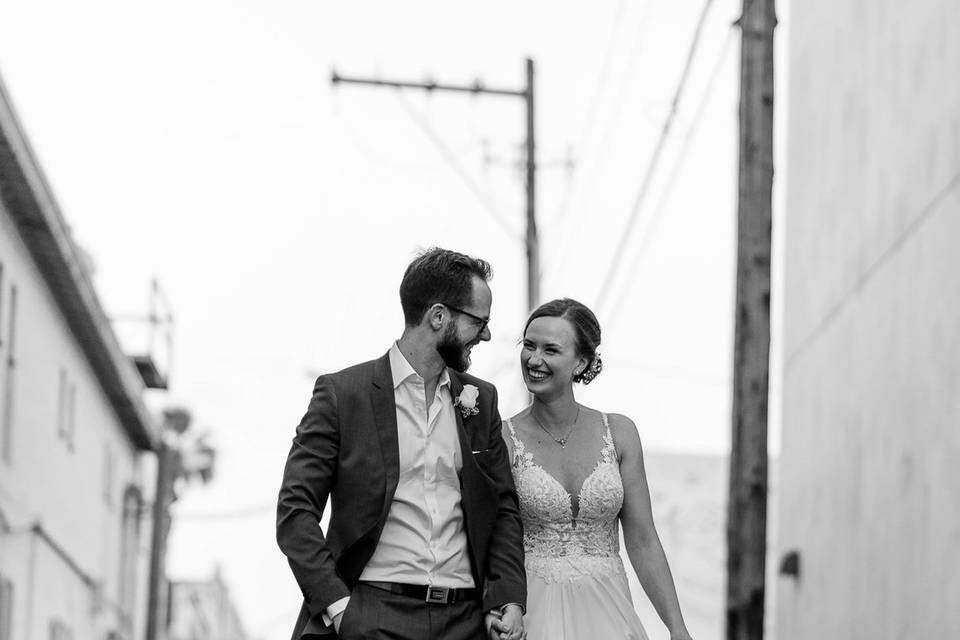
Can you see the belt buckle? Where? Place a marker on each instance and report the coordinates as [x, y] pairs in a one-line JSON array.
[[438, 595]]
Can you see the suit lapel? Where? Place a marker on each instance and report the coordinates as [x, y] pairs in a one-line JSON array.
[[456, 386], [471, 484], [385, 415]]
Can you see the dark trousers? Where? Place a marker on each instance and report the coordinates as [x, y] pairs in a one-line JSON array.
[[375, 614]]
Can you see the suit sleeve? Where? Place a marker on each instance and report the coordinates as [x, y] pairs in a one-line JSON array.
[[506, 580], [307, 479]]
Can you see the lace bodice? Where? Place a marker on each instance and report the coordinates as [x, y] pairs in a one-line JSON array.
[[559, 546]]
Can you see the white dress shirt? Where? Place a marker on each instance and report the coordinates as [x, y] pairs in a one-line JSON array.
[[423, 540]]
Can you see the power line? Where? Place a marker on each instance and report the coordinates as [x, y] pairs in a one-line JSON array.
[[665, 372], [653, 225], [655, 157], [375, 157], [233, 514], [457, 167], [592, 109], [633, 58]]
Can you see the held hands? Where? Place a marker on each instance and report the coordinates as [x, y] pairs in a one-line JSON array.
[[507, 625]]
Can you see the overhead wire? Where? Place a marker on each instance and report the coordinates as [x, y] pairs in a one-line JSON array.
[[633, 58], [232, 514], [375, 157], [654, 158], [592, 110], [653, 224], [451, 159]]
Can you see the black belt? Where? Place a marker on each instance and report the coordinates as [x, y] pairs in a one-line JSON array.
[[426, 593]]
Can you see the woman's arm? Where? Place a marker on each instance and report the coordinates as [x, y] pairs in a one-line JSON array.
[[639, 533]]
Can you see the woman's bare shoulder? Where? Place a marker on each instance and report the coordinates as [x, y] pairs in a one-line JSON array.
[[626, 436]]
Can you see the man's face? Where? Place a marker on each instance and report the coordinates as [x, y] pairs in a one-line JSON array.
[[466, 328]]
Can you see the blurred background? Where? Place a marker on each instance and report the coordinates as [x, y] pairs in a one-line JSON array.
[[196, 222]]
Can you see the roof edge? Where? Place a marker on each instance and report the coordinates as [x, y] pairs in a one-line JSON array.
[[30, 202]]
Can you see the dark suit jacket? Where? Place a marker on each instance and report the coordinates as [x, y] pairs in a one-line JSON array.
[[346, 449]]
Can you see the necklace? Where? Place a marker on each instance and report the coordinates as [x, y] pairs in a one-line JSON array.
[[560, 441]]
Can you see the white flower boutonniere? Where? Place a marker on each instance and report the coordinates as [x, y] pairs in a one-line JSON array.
[[467, 401]]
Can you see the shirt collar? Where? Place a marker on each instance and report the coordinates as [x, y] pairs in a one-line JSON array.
[[401, 369]]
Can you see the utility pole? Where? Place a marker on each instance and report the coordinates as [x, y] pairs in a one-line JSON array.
[[174, 423], [747, 507], [477, 88], [175, 460]]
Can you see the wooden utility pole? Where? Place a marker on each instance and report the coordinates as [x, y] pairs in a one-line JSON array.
[[173, 462], [747, 507], [477, 88], [163, 498], [533, 244]]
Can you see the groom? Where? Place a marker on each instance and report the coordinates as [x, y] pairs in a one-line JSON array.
[[424, 539]]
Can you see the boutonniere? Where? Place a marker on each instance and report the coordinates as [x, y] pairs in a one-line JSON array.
[[467, 401]]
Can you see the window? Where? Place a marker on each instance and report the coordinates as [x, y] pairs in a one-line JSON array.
[[6, 418], [129, 546], [1, 304], [66, 409], [62, 405], [6, 609], [71, 415], [108, 464], [59, 631]]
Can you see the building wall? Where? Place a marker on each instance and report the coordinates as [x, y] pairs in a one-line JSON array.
[[203, 610], [72, 486], [870, 461]]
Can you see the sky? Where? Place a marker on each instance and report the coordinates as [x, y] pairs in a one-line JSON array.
[[201, 143]]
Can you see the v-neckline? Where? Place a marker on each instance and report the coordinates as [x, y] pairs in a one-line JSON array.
[[601, 459], [570, 495]]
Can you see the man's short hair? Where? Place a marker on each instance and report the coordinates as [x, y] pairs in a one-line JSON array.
[[439, 276]]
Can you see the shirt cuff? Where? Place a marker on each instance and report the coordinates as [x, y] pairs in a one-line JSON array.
[[335, 608], [502, 609]]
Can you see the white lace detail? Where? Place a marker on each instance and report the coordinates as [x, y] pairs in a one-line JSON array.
[[559, 547]]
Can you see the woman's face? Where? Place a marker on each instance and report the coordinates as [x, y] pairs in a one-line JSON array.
[[549, 358]]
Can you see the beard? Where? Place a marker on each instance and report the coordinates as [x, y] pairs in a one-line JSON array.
[[453, 351]]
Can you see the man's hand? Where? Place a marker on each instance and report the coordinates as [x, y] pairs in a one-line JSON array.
[[506, 626], [336, 622]]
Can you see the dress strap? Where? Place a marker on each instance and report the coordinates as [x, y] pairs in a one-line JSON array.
[[518, 447], [609, 452]]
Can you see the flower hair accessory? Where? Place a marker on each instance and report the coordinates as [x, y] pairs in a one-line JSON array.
[[467, 401], [593, 370]]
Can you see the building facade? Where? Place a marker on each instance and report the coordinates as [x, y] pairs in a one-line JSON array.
[[870, 461], [203, 610], [72, 427]]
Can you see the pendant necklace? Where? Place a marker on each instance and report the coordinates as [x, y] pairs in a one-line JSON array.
[[560, 441]]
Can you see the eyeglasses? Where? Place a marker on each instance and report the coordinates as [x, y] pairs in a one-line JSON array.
[[483, 321]]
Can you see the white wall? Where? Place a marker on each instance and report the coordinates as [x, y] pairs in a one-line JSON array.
[[870, 471], [46, 480]]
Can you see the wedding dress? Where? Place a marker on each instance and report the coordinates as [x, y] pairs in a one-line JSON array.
[[576, 585]]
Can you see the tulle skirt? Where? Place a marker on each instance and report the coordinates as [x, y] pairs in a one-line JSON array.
[[586, 607]]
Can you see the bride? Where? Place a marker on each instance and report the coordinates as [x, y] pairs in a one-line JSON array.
[[579, 473]]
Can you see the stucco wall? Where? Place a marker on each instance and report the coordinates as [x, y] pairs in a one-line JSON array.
[[870, 471], [47, 480]]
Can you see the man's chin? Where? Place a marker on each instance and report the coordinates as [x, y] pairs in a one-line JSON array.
[[459, 361], [460, 365]]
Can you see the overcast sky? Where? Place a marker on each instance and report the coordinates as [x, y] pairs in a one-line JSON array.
[[202, 143]]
